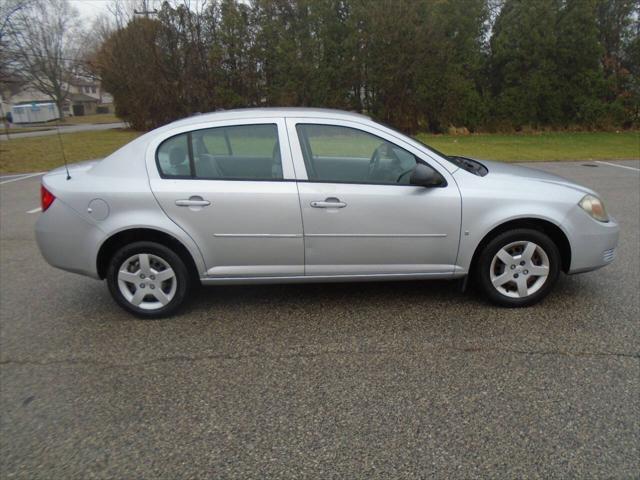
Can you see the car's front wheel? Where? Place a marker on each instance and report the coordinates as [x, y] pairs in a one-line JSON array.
[[148, 279], [518, 268]]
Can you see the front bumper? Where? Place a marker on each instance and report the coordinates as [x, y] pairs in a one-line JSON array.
[[593, 243], [68, 241]]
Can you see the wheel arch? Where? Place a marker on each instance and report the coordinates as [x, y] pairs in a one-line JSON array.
[[554, 232], [123, 237]]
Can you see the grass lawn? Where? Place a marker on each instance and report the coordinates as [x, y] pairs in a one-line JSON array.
[[96, 119], [43, 153], [539, 147], [38, 154]]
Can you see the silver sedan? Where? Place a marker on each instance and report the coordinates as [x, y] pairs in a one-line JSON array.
[[307, 195]]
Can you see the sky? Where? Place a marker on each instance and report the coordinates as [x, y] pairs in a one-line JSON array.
[[89, 9]]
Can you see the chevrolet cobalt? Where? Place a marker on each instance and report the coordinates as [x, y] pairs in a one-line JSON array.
[[309, 195]]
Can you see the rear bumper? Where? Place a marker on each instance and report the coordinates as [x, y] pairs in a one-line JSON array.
[[68, 241], [593, 243]]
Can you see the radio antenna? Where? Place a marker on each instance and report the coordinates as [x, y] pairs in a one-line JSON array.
[[64, 157]]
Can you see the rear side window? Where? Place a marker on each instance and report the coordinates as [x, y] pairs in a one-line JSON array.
[[173, 157], [242, 152]]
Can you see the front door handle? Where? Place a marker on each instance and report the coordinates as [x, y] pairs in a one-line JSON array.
[[330, 202], [193, 202]]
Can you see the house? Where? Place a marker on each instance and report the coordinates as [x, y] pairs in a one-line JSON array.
[[86, 97], [81, 104], [84, 88]]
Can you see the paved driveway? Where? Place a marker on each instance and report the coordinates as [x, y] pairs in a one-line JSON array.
[[389, 380]]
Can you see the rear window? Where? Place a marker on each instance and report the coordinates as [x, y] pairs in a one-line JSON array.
[[239, 152]]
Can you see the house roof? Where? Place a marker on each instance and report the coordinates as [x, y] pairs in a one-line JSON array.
[[82, 98], [32, 102], [84, 82]]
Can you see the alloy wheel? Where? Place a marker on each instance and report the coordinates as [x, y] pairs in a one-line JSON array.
[[147, 281], [519, 269]]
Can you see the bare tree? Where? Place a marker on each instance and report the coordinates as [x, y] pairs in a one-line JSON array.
[[9, 9], [102, 27], [122, 11], [45, 39]]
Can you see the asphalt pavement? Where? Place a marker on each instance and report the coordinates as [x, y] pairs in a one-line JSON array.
[[360, 380]]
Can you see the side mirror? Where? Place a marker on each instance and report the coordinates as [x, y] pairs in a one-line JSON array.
[[425, 176]]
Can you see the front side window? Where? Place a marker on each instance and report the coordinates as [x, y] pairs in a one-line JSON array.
[[242, 152], [348, 155]]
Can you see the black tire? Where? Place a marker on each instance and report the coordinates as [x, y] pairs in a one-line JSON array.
[[182, 278], [486, 255]]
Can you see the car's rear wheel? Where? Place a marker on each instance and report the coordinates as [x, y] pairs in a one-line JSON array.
[[148, 279], [518, 268]]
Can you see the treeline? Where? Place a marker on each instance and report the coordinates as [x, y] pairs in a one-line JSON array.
[[416, 64]]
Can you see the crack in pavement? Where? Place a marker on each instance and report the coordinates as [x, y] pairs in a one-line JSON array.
[[551, 352], [227, 356]]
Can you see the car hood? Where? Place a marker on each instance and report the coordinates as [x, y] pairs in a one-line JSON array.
[[532, 174]]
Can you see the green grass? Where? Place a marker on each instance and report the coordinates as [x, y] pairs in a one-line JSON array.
[[98, 118], [540, 147], [38, 154], [43, 153]]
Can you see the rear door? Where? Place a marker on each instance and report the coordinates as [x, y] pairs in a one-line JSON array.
[[360, 215], [232, 189]]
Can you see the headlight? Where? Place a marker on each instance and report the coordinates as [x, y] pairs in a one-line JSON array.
[[594, 207]]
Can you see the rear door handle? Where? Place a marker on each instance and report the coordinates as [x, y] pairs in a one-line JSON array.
[[193, 202], [330, 202]]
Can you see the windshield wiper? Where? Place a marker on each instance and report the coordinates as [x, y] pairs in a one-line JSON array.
[[470, 165]]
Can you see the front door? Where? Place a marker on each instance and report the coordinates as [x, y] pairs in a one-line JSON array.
[[231, 188], [360, 215]]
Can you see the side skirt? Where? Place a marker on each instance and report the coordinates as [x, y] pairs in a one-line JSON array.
[[330, 278]]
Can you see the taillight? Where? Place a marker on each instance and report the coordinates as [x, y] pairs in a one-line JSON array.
[[46, 198]]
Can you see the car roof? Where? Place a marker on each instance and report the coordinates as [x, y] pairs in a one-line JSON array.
[[268, 112], [137, 147]]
